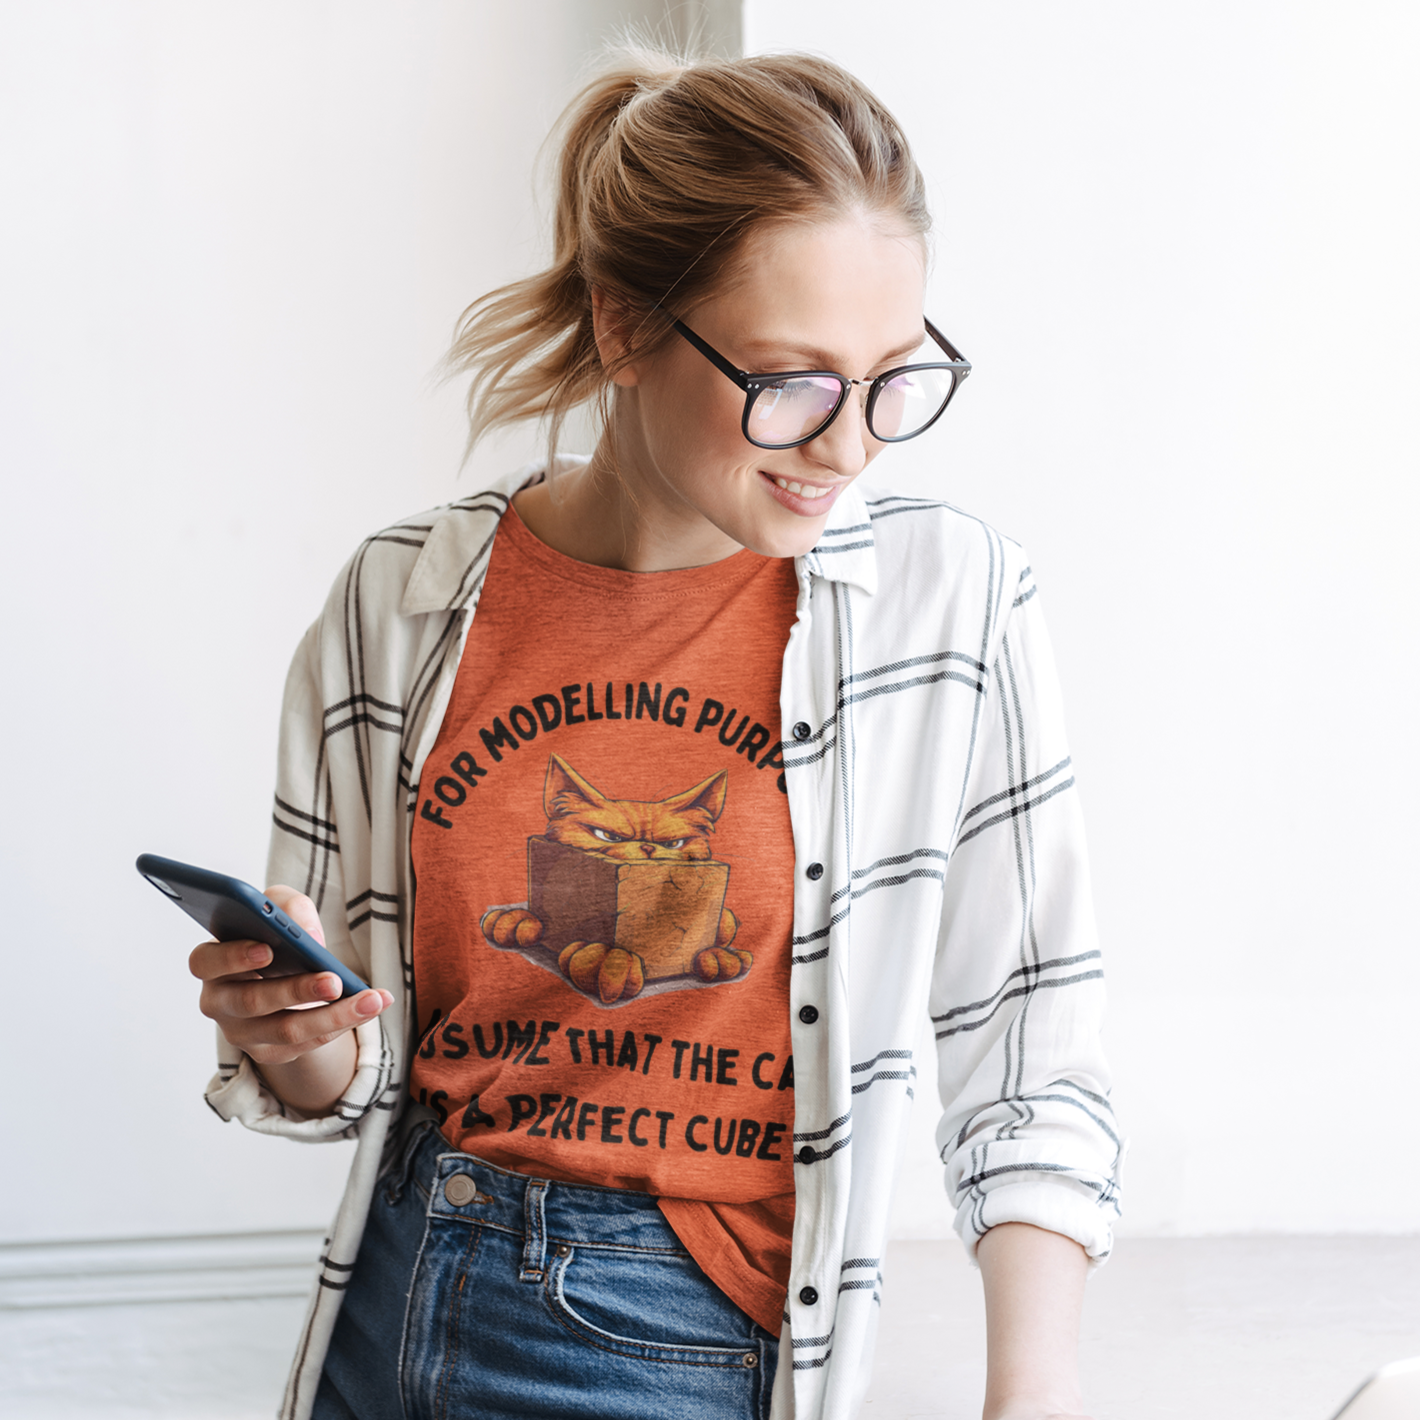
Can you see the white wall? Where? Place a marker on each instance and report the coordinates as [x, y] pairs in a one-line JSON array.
[[236, 238], [1176, 241], [1179, 243]]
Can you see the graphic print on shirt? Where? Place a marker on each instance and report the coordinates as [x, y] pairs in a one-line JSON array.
[[624, 895]]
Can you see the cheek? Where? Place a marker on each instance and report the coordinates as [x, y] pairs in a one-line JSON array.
[[695, 413]]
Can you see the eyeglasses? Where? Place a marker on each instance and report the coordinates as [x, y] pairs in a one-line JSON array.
[[785, 410]]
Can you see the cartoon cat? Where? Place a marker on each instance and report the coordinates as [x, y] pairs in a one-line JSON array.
[[672, 830]]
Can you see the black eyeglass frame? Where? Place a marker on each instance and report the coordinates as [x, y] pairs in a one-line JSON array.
[[754, 385]]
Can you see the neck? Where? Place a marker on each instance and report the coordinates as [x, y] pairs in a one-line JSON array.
[[616, 512]]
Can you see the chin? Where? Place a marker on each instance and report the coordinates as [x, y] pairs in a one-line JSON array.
[[787, 542]]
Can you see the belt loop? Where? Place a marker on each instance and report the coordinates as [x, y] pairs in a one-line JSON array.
[[535, 1232], [397, 1175]]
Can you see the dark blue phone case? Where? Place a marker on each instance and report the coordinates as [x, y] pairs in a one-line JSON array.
[[234, 911]]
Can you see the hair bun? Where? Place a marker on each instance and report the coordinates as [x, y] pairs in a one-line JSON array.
[[666, 168]]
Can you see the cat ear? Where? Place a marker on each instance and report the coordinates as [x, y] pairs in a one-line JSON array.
[[565, 788], [709, 796]]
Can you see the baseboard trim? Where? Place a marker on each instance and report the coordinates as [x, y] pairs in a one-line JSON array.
[[118, 1272]]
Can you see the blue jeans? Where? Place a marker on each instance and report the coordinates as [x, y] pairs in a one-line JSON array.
[[479, 1292]]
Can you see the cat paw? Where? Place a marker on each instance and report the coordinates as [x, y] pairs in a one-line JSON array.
[[722, 963], [612, 973], [728, 929], [511, 927]]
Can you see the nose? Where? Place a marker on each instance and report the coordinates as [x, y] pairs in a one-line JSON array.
[[843, 447]]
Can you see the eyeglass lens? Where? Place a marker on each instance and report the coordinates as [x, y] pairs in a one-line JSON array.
[[908, 404], [789, 411]]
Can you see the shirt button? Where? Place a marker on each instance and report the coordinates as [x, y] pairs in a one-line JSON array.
[[802, 731], [808, 1295], [808, 1014], [807, 1155], [815, 871]]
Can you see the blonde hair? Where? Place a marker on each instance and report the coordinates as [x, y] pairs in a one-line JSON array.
[[666, 169]]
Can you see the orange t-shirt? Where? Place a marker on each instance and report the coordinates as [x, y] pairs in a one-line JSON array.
[[605, 896]]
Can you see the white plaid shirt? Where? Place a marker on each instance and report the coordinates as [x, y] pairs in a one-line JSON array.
[[940, 867]]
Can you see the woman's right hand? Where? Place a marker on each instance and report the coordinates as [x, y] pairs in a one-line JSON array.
[[295, 1029]]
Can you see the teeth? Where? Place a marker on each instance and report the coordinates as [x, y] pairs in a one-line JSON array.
[[803, 490]]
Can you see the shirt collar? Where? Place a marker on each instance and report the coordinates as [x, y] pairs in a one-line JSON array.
[[455, 551], [845, 551]]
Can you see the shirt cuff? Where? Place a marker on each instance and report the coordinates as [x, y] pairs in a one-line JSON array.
[[238, 1092], [1057, 1206]]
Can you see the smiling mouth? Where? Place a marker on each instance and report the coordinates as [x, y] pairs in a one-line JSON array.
[[800, 490]]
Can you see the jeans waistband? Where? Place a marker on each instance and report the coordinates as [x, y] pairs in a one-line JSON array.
[[548, 1214]]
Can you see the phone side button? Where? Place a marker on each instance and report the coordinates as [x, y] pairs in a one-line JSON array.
[[281, 918], [295, 930]]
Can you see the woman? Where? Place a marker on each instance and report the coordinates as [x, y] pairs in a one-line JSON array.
[[630, 1080]]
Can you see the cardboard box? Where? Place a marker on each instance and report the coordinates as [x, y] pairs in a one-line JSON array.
[[665, 912]]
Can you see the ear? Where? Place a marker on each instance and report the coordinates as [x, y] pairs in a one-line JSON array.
[[565, 789], [709, 796], [610, 315]]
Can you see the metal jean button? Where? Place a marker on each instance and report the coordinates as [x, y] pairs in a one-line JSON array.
[[460, 1189]]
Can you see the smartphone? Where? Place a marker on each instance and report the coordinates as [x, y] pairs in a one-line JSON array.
[[234, 911]]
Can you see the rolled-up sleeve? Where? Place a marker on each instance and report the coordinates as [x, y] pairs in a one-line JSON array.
[[1017, 997], [306, 854]]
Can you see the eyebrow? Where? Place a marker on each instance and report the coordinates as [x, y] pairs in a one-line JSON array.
[[820, 359]]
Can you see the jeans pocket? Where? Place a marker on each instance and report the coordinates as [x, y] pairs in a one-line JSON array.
[[649, 1304]]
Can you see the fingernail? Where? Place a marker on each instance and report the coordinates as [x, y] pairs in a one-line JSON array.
[[371, 1003], [258, 954], [328, 988]]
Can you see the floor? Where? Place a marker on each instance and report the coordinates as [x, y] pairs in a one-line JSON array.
[[1227, 1329], [1211, 1329], [149, 1361]]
